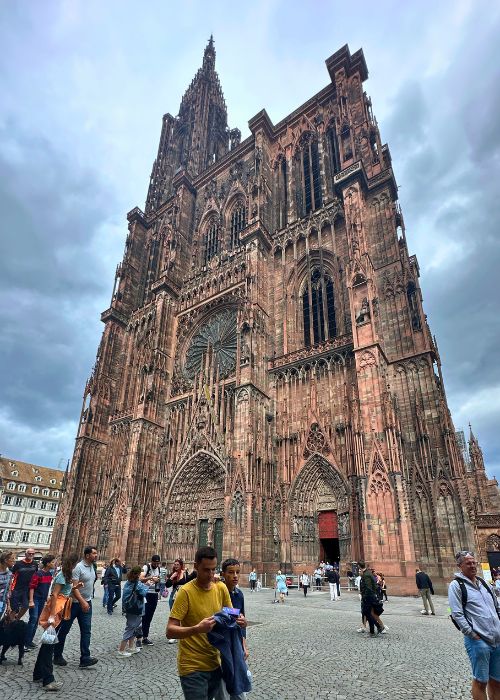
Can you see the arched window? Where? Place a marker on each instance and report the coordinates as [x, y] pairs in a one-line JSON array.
[[333, 145], [318, 307], [281, 194], [237, 224], [211, 241], [346, 142], [411, 293], [311, 190]]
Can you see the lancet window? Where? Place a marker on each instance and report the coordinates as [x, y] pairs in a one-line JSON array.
[[211, 241], [237, 224], [333, 145], [318, 308], [311, 185], [281, 194]]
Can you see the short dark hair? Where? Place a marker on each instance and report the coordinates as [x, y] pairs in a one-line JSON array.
[[229, 562], [88, 550], [47, 559], [362, 565], [204, 553]]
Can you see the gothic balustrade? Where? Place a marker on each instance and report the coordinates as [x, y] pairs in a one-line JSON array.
[[320, 351]]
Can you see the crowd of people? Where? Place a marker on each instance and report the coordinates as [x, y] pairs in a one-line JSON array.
[[207, 613]]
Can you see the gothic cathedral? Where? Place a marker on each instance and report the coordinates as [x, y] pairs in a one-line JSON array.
[[266, 381]]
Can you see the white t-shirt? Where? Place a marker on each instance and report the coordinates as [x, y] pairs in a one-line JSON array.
[[304, 579], [357, 582], [149, 570]]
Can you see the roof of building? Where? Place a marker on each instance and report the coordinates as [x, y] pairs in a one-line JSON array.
[[27, 473]]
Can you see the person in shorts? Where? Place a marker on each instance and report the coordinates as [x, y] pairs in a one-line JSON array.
[[479, 622]]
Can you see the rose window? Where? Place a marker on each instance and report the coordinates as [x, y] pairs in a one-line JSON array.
[[217, 335]]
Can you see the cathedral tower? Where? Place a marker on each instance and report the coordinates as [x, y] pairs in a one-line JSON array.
[[267, 381]]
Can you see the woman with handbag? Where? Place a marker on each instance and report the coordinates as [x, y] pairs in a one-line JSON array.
[[177, 578], [57, 608]]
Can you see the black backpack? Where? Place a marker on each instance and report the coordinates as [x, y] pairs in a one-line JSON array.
[[463, 591], [133, 603]]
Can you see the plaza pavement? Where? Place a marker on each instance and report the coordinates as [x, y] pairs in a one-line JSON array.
[[306, 649]]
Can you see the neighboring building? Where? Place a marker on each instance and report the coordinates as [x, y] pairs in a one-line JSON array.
[[266, 380], [28, 507]]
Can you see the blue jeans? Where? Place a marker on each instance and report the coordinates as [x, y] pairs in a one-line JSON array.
[[105, 597], [201, 685], [85, 624], [33, 620]]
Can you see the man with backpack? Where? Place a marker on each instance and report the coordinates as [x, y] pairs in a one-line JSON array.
[[151, 576], [475, 611]]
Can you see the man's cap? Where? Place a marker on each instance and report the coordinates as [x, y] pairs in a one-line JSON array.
[[155, 557]]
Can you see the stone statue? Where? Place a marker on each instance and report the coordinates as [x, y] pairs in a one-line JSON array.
[[364, 313]]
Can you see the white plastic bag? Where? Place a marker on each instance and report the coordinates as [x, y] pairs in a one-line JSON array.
[[49, 636]]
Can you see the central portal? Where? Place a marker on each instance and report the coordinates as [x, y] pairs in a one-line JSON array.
[[328, 531], [211, 532]]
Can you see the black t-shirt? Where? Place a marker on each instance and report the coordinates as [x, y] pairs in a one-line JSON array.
[[23, 572]]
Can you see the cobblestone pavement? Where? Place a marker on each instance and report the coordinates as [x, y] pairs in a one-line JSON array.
[[306, 649]]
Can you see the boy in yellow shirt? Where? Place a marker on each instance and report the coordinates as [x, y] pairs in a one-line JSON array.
[[191, 617]]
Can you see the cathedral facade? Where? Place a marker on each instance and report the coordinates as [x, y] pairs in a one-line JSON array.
[[267, 381]]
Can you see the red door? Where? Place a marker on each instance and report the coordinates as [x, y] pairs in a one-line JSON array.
[[328, 525]]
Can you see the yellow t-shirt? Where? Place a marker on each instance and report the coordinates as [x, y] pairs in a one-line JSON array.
[[192, 605]]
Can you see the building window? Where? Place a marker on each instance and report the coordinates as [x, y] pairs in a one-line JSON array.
[[10, 535], [11, 486], [28, 520], [21, 488], [333, 144], [32, 502], [282, 194], [15, 517], [1, 534], [15, 473], [39, 520], [50, 522], [18, 501], [7, 500], [311, 185], [4, 516], [55, 494], [318, 308], [25, 537], [38, 478], [43, 505], [53, 506], [238, 223], [46, 492], [52, 481], [211, 241], [35, 489]]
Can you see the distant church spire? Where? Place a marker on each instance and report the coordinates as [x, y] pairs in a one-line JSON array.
[[197, 137]]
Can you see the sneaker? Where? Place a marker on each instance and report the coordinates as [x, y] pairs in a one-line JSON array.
[[138, 644], [373, 634], [172, 641], [53, 686], [147, 642], [424, 612], [88, 662], [433, 613], [133, 650], [361, 629], [60, 661], [385, 630], [30, 645], [123, 653], [26, 649]]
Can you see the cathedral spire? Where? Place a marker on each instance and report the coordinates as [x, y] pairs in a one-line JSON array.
[[197, 137]]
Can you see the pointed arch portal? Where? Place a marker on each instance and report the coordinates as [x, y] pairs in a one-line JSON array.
[[319, 513], [195, 507]]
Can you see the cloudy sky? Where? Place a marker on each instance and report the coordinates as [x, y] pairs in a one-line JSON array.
[[84, 87]]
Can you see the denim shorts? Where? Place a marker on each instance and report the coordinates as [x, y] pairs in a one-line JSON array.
[[484, 658]]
